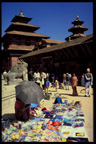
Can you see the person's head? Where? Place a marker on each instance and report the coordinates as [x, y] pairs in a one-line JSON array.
[[88, 70], [31, 69], [47, 78], [37, 71], [56, 78], [27, 105], [73, 74]]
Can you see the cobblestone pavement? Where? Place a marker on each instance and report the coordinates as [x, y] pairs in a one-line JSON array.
[[8, 100]]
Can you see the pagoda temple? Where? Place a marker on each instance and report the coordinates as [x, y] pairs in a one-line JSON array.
[[77, 29], [73, 55], [21, 38]]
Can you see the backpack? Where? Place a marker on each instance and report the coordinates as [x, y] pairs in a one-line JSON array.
[[67, 78], [88, 76]]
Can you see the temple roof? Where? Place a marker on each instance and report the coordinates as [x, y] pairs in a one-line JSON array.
[[26, 34], [78, 27], [74, 42], [77, 21], [22, 24], [75, 36], [52, 41], [21, 19]]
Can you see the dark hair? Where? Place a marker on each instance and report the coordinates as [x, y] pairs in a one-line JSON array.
[[77, 102], [73, 74], [47, 78]]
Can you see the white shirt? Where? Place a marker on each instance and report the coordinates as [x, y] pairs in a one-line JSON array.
[[38, 77]]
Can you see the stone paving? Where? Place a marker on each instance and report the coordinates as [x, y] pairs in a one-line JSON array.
[[9, 97]]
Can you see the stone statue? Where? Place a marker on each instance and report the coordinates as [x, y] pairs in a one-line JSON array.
[[17, 71]]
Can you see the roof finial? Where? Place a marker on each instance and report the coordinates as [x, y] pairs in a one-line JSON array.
[[21, 14], [77, 17]]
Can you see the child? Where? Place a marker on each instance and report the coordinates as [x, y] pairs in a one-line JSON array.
[[56, 84], [47, 84]]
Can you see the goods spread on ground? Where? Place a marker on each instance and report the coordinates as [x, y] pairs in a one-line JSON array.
[[61, 123]]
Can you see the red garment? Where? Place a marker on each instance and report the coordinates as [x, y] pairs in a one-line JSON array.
[[44, 108], [32, 112], [56, 123], [56, 128], [21, 115], [52, 111]]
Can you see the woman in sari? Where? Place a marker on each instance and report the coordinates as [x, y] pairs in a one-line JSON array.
[[74, 85]]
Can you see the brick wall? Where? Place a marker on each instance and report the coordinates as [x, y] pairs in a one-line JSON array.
[[14, 60]]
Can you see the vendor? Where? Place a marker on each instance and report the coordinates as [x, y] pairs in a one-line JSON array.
[[58, 100], [21, 110]]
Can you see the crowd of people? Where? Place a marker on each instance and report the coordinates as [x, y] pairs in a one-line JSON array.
[[45, 80], [42, 79]]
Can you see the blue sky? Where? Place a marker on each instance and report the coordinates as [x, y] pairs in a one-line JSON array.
[[54, 18]]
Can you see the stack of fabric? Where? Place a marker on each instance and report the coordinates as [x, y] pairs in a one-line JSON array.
[[61, 123]]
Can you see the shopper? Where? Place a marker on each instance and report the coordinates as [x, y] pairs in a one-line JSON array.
[[74, 85], [88, 82]]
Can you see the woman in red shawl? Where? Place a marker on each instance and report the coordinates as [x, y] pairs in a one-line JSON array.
[[21, 110], [74, 85]]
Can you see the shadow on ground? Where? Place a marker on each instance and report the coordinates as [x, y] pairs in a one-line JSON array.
[[63, 94], [76, 96], [9, 116], [52, 91]]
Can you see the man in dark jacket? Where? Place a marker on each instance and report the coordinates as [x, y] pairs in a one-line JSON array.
[[88, 82], [30, 75], [67, 81]]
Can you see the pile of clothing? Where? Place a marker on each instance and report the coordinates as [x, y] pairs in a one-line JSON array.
[[61, 123]]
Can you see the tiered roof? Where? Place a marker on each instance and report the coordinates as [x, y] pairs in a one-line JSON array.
[[52, 41], [18, 25], [77, 29], [21, 27], [27, 34]]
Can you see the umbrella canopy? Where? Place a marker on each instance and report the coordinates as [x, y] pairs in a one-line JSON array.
[[29, 92]]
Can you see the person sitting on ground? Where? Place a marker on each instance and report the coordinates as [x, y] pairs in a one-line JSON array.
[[22, 111], [61, 85], [58, 100]]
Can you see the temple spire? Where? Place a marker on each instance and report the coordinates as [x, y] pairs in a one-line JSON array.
[[77, 17], [77, 30], [21, 14]]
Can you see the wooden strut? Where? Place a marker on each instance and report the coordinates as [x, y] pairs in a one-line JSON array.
[[69, 52], [88, 49], [63, 51], [83, 49], [74, 50], [56, 55]]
